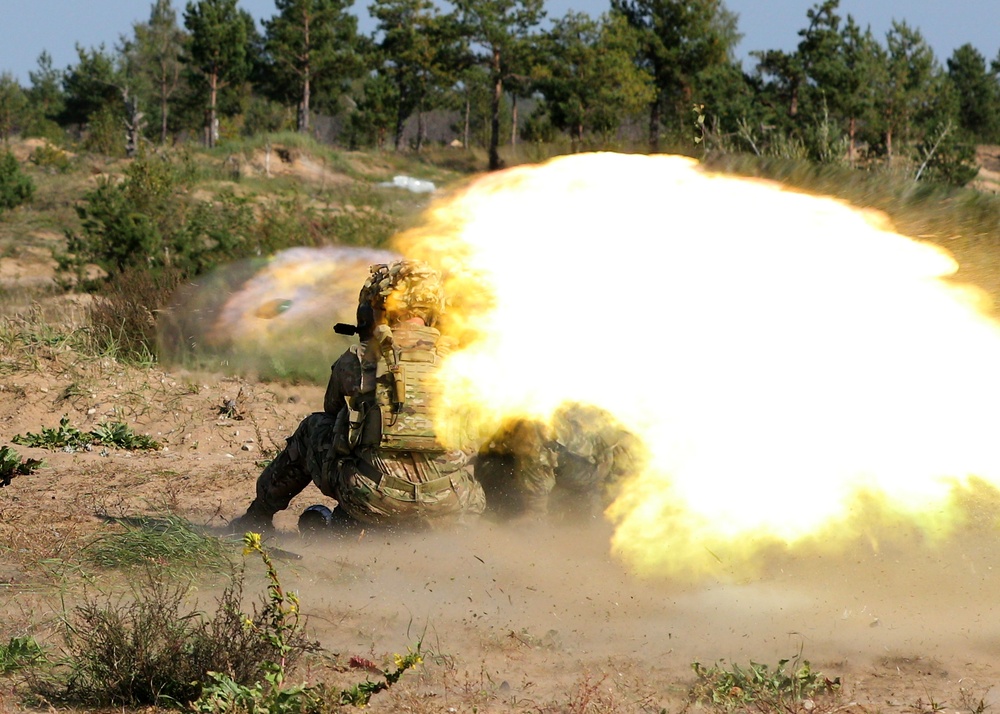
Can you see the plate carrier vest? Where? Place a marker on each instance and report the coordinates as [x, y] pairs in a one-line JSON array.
[[392, 409]]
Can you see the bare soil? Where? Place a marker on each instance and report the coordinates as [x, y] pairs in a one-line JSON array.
[[525, 617]]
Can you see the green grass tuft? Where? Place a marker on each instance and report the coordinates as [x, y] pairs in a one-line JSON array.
[[169, 542]]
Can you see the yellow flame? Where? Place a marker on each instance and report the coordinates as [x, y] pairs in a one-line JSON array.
[[788, 360]]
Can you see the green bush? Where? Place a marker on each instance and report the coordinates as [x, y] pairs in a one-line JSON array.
[[128, 223], [15, 186], [226, 694], [106, 133], [760, 687], [51, 159], [149, 648], [148, 222]]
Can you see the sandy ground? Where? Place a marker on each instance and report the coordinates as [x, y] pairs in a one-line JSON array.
[[525, 617]]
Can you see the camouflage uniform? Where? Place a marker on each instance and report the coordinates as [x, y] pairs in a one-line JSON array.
[[413, 480], [571, 467]]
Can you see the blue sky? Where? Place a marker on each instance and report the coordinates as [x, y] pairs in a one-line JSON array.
[[30, 26]]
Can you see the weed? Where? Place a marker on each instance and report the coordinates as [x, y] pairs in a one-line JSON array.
[[123, 317], [19, 653], [73, 391], [11, 465], [232, 408], [760, 686], [120, 435], [115, 434], [27, 337], [278, 624], [63, 437], [360, 694], [974, 704]]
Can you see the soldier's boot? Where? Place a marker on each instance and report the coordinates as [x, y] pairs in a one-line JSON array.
[[320, 519], [315, 518], [258, 519], [279, 482]]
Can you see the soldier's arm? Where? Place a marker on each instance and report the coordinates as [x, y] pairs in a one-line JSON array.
[[333, 399], [345, 378]]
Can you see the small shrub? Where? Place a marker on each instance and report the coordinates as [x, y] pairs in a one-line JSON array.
[[120, 435], [15, 186], [759, 686], [51, 159], [128, 223], [104, 134], [149, 649], [123, 319], [12, 465], [215, 232], [360, 694], [62, 437], [225, 694]]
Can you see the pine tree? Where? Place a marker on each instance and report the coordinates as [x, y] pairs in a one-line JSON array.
[[978, 94], [500, 27], [678, 40], [310, 45], [13, 106], [587, 75], [218, 49], [420, 52], [156, 54]]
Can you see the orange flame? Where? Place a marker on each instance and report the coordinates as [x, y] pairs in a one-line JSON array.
[[792, 364]]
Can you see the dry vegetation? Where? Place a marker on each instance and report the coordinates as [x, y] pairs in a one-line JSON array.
[[507, 620]]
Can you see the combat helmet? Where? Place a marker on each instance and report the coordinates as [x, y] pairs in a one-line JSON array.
[[403, 289]]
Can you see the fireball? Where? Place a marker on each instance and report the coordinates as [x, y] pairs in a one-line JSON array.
[[801, 374]]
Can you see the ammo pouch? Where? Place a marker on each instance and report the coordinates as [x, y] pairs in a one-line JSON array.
[[364, 425]]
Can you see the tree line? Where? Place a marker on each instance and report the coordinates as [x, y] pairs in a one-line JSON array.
[[662, 72]]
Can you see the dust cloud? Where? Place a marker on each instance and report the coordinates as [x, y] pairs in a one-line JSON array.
[[519, 597]]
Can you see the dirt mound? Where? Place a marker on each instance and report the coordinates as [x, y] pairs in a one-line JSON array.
[[284, 161], [988, 179]]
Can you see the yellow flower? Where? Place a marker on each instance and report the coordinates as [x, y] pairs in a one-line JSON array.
[[251, 542], [411, 659]]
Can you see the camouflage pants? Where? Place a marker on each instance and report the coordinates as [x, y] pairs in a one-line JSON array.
[[376, 487], [527, 472]]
